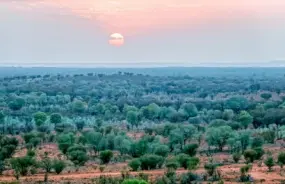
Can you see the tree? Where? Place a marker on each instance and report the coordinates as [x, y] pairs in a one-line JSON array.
[[135, 164], [245, 119], [269, 162], [21, 165], [210, 167], [80, 124], [190, 109], [266, 96], [191, 149], [55, 118], [40, 118], [132, 118], [93, 140], [193, 163], [218, 136], [2, 167], [134, 181], [58, 166], [236, 103], [65, 141], [122, 144], [149, 162], [46, 164], [161, 150], [281, 159], [16, 104], [77, 154], [249, 155], [78, 106], [236, 157], [188, 178], [183, 160], [106, 156]]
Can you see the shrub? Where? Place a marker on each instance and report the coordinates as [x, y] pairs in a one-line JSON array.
[[106, 156], [269, 162], [58, 166], [236, 157], [259, 152], [134, 181], [135, 164], [188, 178], [149, 162], [281, 159], [183, 160], [210, 168], [193, 163], [172, 165], [102, 168], [162, 150], [191, 149], [249, 155]]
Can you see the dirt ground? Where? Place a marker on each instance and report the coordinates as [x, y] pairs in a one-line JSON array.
[[229, 172]]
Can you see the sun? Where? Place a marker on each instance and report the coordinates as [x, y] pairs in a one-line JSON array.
[[116, 39]]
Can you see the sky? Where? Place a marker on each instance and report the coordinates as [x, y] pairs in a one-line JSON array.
[[177, 32]]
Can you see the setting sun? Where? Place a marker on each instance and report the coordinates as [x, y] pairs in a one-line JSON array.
[[116, 39]]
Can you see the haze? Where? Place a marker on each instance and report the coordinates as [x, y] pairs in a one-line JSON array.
[[184, 32]]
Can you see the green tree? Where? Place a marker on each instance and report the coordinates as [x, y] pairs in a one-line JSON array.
[[16, 104], [65, 141], [193, 163], [58, 166], [149, 162], [245, 118], [46, 164], [106, 156], [135, 164], [21, 165], [40, 118], [236, 157], [78, 106], [269, 162], [55, 118], [132, 118], [77, 154], [161, 150], [249, 155], [218, 136], [191, 149], [190, 109], [93, 140], [281, 159], [134, 181], [266, 96]]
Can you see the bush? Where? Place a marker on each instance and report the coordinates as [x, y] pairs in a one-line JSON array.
[[236, 157], [259, 152], [250, 155], [149, 162], [210, 168], [193, 163], [172, 164], [188, 178], [183, 160], [281, 159], [269, 162], [106, 156], [135, 164], [191, 149], [102, 168], [58, 166], [134, 181], [162, 150]]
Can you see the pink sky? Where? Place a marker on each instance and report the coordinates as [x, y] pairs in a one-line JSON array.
[[132, 16]]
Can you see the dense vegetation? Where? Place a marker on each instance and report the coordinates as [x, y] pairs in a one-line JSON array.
[[151, 122]]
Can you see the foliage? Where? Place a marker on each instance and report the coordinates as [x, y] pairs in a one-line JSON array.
[[106, 156], [269, 162], [135, 164], [58, 165], [219, 136], [149, 162], [134, 181]]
